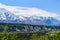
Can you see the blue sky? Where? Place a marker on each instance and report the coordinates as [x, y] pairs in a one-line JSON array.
[[48, 5]]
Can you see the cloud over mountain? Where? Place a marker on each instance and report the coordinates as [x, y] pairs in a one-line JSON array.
[[26, 15], [25, 11]]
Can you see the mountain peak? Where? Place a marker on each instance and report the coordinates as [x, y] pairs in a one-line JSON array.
[[14, 14]]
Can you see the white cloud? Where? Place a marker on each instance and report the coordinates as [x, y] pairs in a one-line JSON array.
[[25, 11]]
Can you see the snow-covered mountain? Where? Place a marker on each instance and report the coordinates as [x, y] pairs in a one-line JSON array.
[[35, 16]]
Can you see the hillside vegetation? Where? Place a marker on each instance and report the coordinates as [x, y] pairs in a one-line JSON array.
[[50, 35]]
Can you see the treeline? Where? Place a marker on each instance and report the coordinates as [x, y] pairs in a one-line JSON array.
[[50, 35], [24, 27]]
